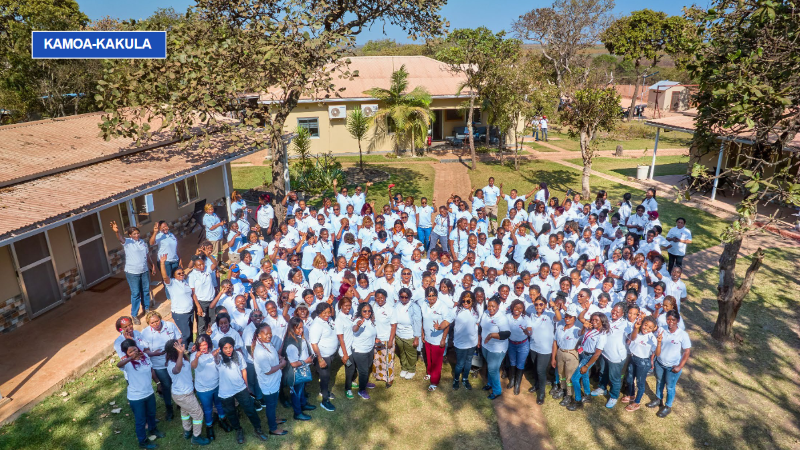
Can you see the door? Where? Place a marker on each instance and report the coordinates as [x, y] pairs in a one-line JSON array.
[[87, 236], [37, 273], [438, 125]]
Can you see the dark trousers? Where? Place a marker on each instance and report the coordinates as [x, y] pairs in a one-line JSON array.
[[363, 363], [612, 376], [349, 373], [166, 386], [298, 398], [324, 374], [252, 380], [674, 260], [206, 320], [185, 323], [463, 362], [246, 403], [541, 361], [270, 402], [144, 413]]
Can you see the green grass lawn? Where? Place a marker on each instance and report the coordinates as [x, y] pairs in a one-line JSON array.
[[540, 148], [740, 398], [705, 227], [626, 167], [406, 416], [409, 179], [666, 140]]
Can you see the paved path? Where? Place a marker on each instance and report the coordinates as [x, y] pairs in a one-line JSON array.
[[450, 178]]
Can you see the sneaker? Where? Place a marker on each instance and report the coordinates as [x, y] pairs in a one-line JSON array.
[[349, 394], [327, 406], [258, 405], [199, 440], [136, 321], [467, 386], [611, 403], [598, 392], [403, 373], [147, 445], [353, 385], [370, 385], [330, 396], [410, 375], [364, 395], [456, 385]]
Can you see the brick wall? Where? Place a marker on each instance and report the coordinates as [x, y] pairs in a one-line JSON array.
[[70, 283], [12, 313]]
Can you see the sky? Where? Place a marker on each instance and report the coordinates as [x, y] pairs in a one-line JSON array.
[[497, 15]]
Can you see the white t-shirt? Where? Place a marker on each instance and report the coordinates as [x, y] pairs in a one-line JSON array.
[[155, 341], [593, 340], [385, 317], [490, 194], [518, 327], [440, 312], [615, 350], [542, 332], [364, 337], [139, 378], [567, 338], [182, 383], [644, 345], [494, 324], [678, 248], [265, 357], [231, 381], [672, 346], [425, 213], [136, 337], [135, 256], [323, 334], [203, 285], [465, 329], [206, 376], [180, 295]]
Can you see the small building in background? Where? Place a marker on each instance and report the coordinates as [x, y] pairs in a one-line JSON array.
[[668, 96]]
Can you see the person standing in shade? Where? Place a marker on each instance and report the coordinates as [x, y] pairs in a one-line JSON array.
[[268, 364], [465, 338], [297, 352], [137, 269], [615, 353], [137, 368], [180, 371], [265, 217], [155, 336], [233, 389], [201, 281], [675, 350], [494, 341], [206, 384], [215, 229], [593, 341], [542, 343], [490, 195], [167, 249], [183, 301], [678, 237]]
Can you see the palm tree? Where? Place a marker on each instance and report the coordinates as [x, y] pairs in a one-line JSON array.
[[358, 125], [409, 112]]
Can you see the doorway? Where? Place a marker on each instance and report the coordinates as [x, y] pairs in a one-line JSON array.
[[438, 125], [87, 236], [37, 273]]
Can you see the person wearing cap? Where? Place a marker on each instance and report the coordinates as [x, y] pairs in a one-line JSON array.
[[567, 338]]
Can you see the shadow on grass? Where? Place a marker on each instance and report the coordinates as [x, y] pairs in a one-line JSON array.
[[661, 170]]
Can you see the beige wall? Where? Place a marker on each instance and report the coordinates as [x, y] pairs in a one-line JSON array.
[[9, 287], [106, 217], [61, 246], [333, 133]]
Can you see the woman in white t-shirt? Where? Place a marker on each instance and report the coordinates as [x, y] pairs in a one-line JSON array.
[[386, 324], [542, 340], [592, 342], [465, 337], [155, 336], [233, 389], [206, 383], [180, 371], [675, 350], [364, 331], [137, 368], [615, 354], [644, 342], [519, 346], [269, 365], [297, 352], [494, 342]]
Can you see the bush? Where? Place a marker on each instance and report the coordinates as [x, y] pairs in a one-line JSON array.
[[315, 174]]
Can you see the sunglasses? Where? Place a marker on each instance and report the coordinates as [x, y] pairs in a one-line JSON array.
[[538, 304], [431, 296], [403, 296], [367, 311]]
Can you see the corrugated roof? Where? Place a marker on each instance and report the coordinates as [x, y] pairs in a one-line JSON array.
[[33, 204], [375, 71], [32, 149], [663, 84]]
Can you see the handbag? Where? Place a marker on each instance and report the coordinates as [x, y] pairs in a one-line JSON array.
[[295, 375]]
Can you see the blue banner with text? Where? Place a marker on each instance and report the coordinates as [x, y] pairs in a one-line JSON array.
[[99, 45]]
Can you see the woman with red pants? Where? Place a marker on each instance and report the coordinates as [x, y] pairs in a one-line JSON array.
[[436, 319]]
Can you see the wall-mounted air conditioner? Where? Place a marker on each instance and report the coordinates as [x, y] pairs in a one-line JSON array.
[[369, 110], [337, 112]]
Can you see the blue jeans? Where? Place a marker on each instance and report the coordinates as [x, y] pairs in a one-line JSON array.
[[637, 371], [544, 133], [612, 376], [424, 235], [144, 412], [666, 377], [140, 291], [493, 361], [518, 353], [436, 238], [463, 362], [581, 380], [270, 402], [208, 400], [299, 399], [305, 273], [166, 386], [535, 133], [171, 267]]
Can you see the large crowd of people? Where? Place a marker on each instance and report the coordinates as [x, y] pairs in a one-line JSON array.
[[575, 291]]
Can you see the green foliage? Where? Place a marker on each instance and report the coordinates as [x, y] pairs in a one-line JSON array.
[[409, 112], [388, 47], [302, 147], [358, 125], [316, 175]]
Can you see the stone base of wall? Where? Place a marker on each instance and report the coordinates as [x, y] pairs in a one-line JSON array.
[[116, 257], [12, 313], [70, 283]]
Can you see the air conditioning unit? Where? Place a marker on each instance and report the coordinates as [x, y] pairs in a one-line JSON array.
[[369, 110], [337, 112]]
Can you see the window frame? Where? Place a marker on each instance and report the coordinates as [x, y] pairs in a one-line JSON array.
[[304, 122], [182, 186]]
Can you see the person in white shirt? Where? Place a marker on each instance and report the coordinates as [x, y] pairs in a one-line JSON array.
[[155, 337], [543, 127], [643, 344], [386, 326], [649, 202], [265, 216], [465, 337], [679, 237], [137, 368], [490, 196], [494, 344], [409, 331], [522, 241], [269, 365], [591, 345], [183, 303], [183, 392], [519, 345], [542, 342], [441, 230], [459, 240], [325, 343], [137, 268], [203, 292], [436, 319], [359, 197], [424, 223], [233, 389]]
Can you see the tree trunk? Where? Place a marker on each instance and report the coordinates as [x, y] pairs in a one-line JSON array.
[[278, 182], [636, 85], [469, 128], [729, 296], [360, 157], [587, 163], [413, 144]]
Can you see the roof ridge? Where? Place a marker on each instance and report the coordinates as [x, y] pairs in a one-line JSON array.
[[48, 120]]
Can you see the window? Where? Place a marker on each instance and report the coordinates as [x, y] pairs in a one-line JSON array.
[[186, 190], [453, 115], [124, 218], [311, 124], [142, 216]]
